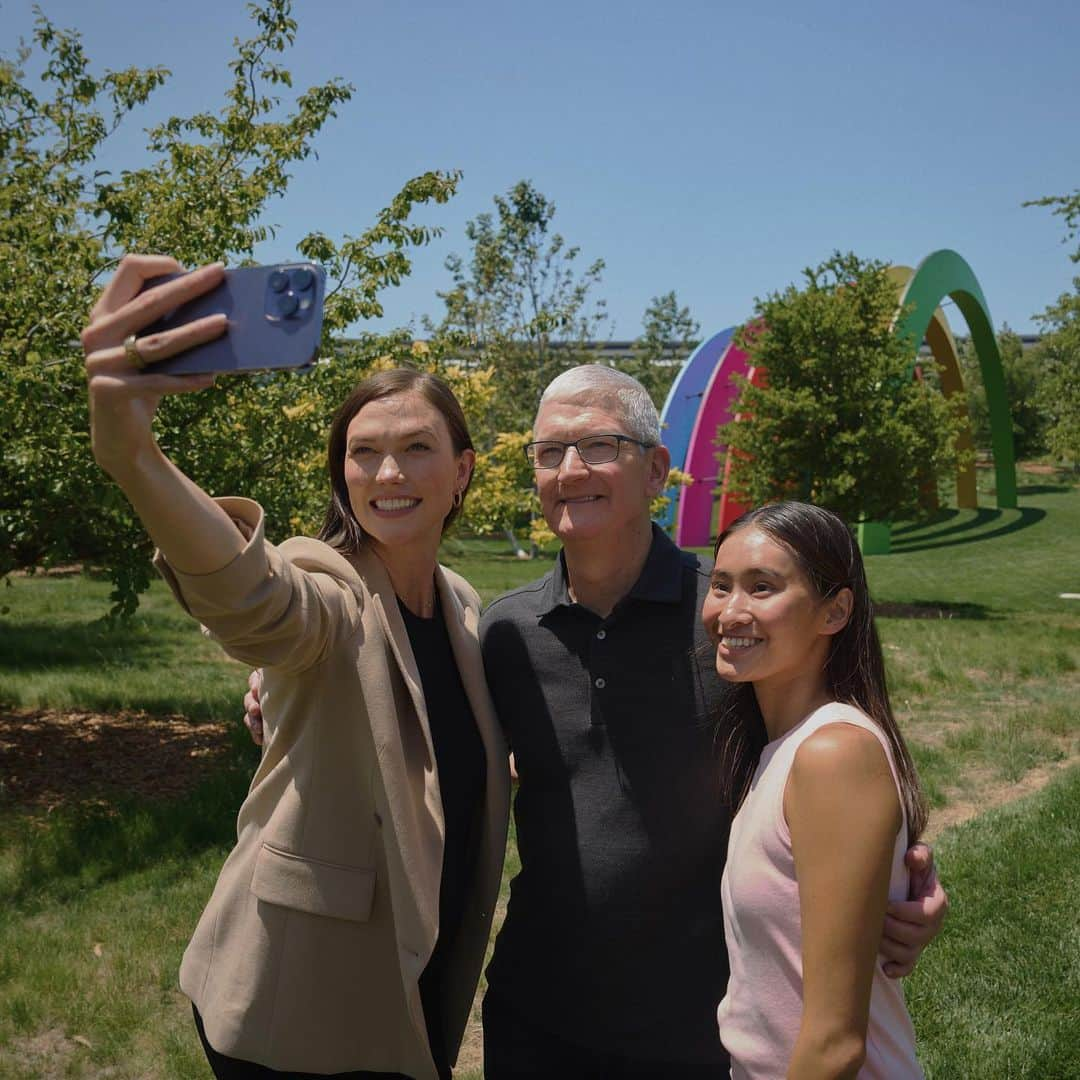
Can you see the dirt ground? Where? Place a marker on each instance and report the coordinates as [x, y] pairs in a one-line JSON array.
[[50, 758]]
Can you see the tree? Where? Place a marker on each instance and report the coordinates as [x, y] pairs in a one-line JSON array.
[[1058, 354], [201, 196], [1022, 376], [1058, 358], [519, 303], [670, 334], [841, 421]]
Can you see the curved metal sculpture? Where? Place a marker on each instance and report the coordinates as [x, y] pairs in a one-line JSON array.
[[945, 274], [702, 397], [683, 405]]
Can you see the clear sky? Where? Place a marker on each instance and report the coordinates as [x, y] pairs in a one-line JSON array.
[[707, 147]]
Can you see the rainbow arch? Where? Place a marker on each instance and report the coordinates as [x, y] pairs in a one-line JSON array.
[[702, 398]]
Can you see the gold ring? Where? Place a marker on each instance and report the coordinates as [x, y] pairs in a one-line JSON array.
[[131, 351]]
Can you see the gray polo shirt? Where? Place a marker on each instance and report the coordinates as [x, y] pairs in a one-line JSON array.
[[614, 933]]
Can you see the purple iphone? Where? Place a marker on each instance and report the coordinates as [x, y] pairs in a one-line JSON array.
[[275, 320]]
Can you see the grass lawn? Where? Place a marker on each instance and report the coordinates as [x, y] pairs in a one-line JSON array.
[[97, 902]]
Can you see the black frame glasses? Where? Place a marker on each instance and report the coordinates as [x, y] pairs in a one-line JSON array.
[[593, 452]]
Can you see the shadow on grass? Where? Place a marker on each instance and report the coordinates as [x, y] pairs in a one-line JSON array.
[[54, 858], [931, 609], [44, 644], [1043, 489], [907, 539]]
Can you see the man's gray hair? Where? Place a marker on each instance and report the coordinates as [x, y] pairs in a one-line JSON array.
[[619, 393]]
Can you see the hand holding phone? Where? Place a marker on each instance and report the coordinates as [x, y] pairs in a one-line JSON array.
[[275, 318]]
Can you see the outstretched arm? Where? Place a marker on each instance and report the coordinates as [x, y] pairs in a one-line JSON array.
[[193, 533], [910, 925]]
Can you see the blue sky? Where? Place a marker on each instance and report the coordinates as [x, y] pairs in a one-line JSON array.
[[708, 148]]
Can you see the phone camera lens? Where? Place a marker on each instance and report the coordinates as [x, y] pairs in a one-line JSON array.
[[287, 304], [301, 279], [279, 281]]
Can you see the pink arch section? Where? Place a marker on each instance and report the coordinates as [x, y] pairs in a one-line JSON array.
[[693, 521]]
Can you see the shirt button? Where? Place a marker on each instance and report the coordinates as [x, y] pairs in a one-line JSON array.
[[601, 634], [600, 684]]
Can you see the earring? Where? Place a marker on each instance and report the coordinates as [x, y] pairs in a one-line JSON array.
[[459, 498]]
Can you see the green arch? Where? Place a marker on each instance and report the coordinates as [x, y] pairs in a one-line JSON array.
[[945, 273]]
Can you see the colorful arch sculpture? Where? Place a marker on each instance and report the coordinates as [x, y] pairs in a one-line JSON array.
[[702, 396], [684, 403], [945, 274]]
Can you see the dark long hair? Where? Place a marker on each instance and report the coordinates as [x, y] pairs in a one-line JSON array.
[[826, 552], [340, 528]]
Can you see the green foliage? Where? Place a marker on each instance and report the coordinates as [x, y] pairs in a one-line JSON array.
[[842, 422], [670, 334], [1068, 207], [519, 304], [201, 196], [1022, 378], [1058, 357]]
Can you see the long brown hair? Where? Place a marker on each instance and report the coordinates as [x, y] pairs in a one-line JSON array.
[[826, 552], [340, 528]]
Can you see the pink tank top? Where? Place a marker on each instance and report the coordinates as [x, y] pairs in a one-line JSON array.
[[760, 1015]]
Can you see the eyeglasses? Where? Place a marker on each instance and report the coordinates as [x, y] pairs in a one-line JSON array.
[[593, 450]]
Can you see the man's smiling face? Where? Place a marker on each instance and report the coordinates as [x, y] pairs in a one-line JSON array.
[[584, 502]]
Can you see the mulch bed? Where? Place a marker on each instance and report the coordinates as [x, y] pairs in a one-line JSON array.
[[50, 758]]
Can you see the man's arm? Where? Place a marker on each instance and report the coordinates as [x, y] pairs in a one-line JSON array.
[[910, 925], [252, 709]]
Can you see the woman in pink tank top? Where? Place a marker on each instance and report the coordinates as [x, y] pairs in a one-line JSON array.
[[828, 803]]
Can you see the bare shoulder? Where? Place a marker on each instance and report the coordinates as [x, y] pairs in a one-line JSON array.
[[841, 748], [843, 764]]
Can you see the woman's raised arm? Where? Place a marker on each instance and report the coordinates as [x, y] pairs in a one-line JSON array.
[[193, 533]]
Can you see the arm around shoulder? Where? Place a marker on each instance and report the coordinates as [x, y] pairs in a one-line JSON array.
[[844, 813]]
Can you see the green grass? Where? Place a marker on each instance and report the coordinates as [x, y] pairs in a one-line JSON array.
[[984, 659], [999, 993]]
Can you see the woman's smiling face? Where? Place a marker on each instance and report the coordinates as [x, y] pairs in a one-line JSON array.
[[762, 612], [401, 470]]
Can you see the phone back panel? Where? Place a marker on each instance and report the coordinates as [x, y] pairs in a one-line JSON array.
[[270, 326]]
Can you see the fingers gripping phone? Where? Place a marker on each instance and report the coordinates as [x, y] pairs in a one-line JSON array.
[[275, 320]]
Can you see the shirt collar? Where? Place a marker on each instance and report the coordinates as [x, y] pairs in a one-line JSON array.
[[660, 580]]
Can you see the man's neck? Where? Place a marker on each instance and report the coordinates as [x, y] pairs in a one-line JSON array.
[[601, 572]]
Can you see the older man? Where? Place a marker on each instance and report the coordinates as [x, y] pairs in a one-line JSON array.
[[611, 959]]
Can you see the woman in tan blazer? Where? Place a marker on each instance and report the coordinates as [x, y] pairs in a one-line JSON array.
[[346, 932]]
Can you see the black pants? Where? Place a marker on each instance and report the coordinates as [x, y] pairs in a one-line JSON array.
[[227, 1068], [514, 1049]]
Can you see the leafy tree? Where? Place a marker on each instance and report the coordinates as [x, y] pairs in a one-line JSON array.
[[519, 303], [1058, 354], [200, 196], [1022, 376], [841, 421], [1058, 357], [670, 334]]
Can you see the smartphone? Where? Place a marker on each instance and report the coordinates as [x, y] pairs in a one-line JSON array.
[[275, 320]]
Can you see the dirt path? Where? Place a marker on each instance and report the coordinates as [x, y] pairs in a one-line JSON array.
[[50, 758], [991, 794]]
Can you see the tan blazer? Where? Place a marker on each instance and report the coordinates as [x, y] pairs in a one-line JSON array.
[[326, 912]]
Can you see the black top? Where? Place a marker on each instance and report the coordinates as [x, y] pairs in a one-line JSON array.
[[614, 933], [462, 768]]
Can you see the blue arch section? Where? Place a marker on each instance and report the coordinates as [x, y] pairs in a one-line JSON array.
[[683, 402]]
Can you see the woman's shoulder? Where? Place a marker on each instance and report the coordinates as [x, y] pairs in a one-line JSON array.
[[840, 741], [462, 589], [316, 556]]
